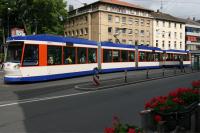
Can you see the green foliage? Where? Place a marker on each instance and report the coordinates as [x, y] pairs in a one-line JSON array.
[[41, 16]]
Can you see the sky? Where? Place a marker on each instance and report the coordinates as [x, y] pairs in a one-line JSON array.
[[178, 8]]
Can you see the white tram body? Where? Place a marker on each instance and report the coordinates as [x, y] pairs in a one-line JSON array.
[[46, 57], [34, 51], [117, 57], [149, 57]]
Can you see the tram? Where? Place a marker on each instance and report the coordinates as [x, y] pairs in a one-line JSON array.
[[47, 57]]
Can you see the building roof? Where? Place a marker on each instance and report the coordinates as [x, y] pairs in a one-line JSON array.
[[122, 3], [52, 38], [191, 22], [164, 16]]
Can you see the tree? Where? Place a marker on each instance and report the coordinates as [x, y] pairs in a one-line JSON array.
[[40, 16]]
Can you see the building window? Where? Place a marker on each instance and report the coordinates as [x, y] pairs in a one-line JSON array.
[[86, 18], [174, 25], [174, 44], [148, 22], [77, 32], [180, 45], [130, 21], [163, 44], [181, 36], [136, 21], [130, 31], [130, 42], [169, 34], [81, 32], [123, 31], [142, 41], [175, 35], [123, 20], [169, 24], [163, 23], [142, 32], [109, 40], [117, 19], [142, 21], [109, 30], [181, 26], [148, 33], [169, 44], [157, 23], [124, 41], [148, 42], [86, 31], [163, 34], [117, 30], [109, 18], [117, 41], [156, 43], [136, 31]]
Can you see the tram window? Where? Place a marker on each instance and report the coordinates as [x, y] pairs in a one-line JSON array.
[[157, 57], [107, 55], [14, 52], [116, 56], [82, 56], [131, 56], [124, 56], [54, 55], [69, 55], [92, 57], [142, 56], [170, 57], [177, 57], [30, 55], [149, 56]]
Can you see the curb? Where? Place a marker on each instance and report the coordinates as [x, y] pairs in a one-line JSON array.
[[77, 87]]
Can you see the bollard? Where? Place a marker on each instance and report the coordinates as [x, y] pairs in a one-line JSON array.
[[147, 74], [174, 70], [197, 119], [125, 77], [163, 72], [96, 76]]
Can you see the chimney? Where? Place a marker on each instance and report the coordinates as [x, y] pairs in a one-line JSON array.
[[85, 4], [193, 19], [71, 8]]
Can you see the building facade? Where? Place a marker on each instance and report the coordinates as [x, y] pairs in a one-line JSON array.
[[192, 31], [168, 32], [111, 20]]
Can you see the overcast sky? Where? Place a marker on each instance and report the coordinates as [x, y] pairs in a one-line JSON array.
[[178, 8]]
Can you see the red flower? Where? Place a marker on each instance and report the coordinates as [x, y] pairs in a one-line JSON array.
[[157, 118], [109, 130], [131, 130]]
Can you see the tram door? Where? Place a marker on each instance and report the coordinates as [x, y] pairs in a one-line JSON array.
[[196, 62]]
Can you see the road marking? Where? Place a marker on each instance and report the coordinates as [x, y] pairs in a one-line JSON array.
[[41, 99]]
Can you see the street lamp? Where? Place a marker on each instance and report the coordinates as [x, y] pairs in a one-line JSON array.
[[9, 9]]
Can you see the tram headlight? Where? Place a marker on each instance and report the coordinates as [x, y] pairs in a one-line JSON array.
[[17, 66]]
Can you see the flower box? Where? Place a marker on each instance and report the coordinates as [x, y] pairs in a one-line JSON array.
[[171, 111]]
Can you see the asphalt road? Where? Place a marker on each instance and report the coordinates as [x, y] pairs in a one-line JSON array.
[[82, 111]]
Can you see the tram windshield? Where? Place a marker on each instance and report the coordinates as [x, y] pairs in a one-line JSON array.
[[14, 52]]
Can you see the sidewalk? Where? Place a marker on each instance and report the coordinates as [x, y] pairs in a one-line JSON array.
[[118, 79]]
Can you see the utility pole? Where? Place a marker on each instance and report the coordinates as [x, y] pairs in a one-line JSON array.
[[161, 5]]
